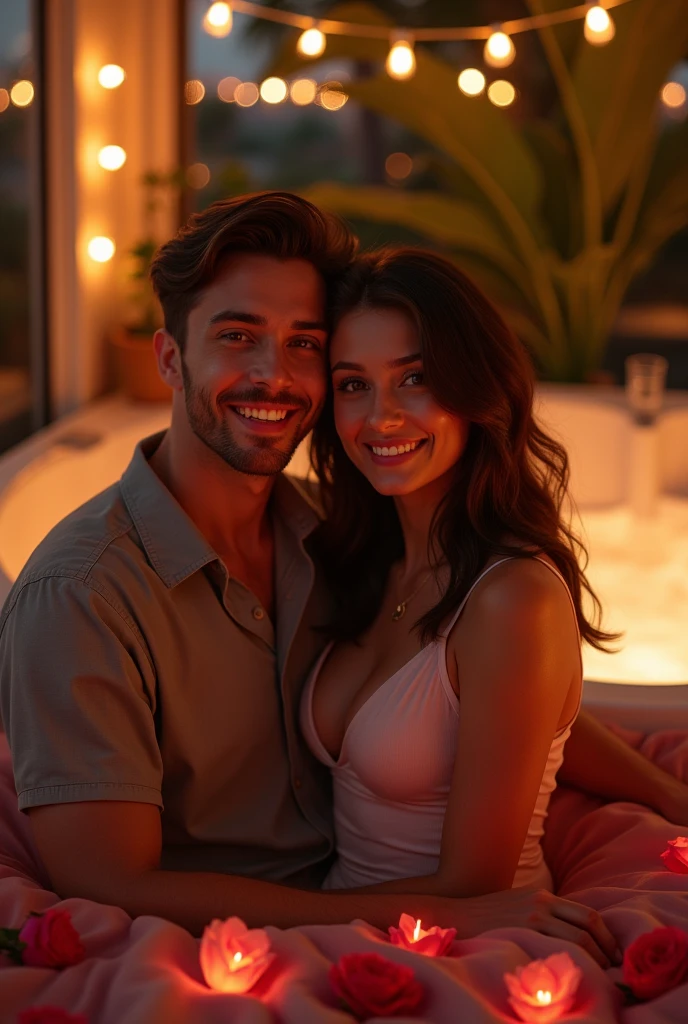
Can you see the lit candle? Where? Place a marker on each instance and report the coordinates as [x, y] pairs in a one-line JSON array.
[[544, 990], [410, 935], [233, 957]]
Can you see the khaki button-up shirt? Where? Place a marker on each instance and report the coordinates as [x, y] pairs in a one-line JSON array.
[[133, 667]]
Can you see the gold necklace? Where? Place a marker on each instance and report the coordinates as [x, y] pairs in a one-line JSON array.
[[400, 609]]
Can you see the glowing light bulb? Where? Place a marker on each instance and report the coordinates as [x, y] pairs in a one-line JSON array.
[[111, 158], [471, 82], [401, 60], [416, 931], [543, 998], [598, 28], [273, 90], [303, 91], [501, 93], [499, 51], [101, 249], [673, 95], [111, 76], [22, 93], [311, 43], [217, 21]]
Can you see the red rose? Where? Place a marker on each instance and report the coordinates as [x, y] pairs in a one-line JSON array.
[[51, 940], [656, 962], [373, 986], [49, 1015]]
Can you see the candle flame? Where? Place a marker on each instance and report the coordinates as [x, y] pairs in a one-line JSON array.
[[239, 956], [544, 998], [416, 931]]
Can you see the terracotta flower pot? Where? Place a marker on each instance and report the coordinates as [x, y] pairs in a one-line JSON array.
[[137, 369]]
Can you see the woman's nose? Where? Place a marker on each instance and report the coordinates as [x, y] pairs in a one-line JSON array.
[[385, 412]]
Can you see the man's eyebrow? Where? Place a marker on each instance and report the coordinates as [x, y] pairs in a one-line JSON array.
[[261, 321], [391, 365]]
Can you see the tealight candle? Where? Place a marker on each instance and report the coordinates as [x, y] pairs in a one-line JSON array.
[[544, 990], [233, 957], [434, 941]]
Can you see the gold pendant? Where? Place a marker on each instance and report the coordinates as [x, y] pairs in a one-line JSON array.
[[399, 611]]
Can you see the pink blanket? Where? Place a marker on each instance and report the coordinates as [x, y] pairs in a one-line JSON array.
[[147, 970]]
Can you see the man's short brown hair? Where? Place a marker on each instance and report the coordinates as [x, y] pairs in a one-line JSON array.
[[277, 224]]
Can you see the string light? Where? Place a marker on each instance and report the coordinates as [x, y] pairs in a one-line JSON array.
[[273, 90], [598, 27], [217, 21], [401, 60], [303, 91], [22, 93], [4, 100], [111, 76], [311, 43], [246, 94], [111, 158], [331, 96], [194, 91], [501, 93], [471, 82], [673, 95], [101, 249], [226, 88], [499, 50]]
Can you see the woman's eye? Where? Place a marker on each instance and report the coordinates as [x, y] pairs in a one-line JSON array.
[[350, 385], [415, 374]]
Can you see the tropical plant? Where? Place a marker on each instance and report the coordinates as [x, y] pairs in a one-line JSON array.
[[553, 217]]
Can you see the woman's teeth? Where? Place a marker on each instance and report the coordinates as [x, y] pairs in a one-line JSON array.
[[263, 414], [395, 450]]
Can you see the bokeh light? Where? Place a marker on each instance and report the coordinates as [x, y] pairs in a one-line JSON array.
[[101, 249], [499, 50], [398, 166], [311, 43], [111, 76], [401, 60], [4, 100], [111, 158], [303, 91], [471, 82], [197, 175], [226, 88], [22, 93], [598, 27], [246, 94], [273, 90], [194, 91], [217, 20], [501, 93], [673, 95], [331, 96]]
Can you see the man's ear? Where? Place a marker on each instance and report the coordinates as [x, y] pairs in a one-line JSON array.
[[169, 359]]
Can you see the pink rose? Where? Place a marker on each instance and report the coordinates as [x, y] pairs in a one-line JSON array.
[[656, 962], [51, 940], [675, 857], [373, 986], [543, 990], [232, 957], [433, 942], [49, 1015]]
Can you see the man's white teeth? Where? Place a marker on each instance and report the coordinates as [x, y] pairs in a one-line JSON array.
[[263, 414], [394, 450]]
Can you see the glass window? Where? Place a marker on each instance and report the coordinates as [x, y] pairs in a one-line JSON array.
[[17, 175]]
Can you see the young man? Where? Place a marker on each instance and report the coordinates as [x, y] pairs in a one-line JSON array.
[[153, 649]]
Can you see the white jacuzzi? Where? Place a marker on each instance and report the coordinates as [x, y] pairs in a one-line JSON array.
[[639, 568]]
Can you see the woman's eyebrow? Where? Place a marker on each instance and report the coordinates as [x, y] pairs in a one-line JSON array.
[[391, 365]]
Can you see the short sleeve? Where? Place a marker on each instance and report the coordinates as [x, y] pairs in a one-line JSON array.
[[77, 695]]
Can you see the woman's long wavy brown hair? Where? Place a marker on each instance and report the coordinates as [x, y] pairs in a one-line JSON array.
[[510, 482]]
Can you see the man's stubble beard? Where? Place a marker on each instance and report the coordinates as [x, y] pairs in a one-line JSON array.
[[264, 458]]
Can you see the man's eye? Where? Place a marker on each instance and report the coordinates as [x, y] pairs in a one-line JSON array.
[[304, 343], [235, 336], [351, 384]]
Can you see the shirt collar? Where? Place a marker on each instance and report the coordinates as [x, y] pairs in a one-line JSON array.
[[174, 544]]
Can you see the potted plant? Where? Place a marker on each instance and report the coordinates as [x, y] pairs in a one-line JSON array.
[[134, 357]]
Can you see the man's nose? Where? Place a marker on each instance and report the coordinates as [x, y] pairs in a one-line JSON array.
[[270, 367]]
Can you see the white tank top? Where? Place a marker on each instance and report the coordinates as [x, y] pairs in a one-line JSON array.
[[393, 775]]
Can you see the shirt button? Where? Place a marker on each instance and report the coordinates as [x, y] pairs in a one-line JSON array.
[[258, 613]]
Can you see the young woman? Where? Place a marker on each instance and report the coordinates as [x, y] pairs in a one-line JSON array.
[[443, 703]]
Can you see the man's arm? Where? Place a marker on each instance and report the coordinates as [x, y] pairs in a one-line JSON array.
[[597, 760]]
